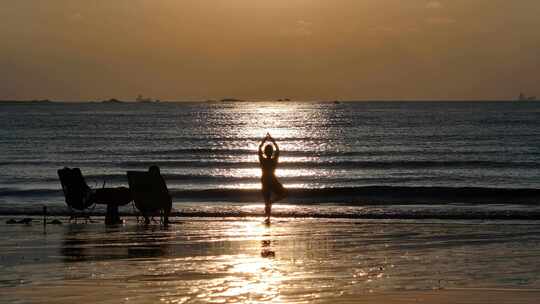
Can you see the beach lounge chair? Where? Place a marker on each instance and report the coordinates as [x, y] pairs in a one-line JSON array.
[[77, 193], [150, 193], [80, 196]]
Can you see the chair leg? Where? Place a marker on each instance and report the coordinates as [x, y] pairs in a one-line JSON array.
[[112, 217], [74, 217]]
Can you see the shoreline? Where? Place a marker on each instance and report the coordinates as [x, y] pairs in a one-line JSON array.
[[351, 196], [291, 260], [481, 216], [441, 296], [454, 295]]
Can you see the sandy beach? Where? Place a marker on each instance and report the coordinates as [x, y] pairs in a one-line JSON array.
[[222, 260]]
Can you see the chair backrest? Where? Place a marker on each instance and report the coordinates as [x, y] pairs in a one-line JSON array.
[[76, 191], [149, 191]]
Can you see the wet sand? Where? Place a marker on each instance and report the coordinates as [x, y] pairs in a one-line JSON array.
[[293, 260]]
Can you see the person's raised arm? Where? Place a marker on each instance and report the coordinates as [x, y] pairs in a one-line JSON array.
[[276, 153], [261, 146]]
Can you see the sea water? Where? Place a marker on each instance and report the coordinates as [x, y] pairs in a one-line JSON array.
[[330, 152]]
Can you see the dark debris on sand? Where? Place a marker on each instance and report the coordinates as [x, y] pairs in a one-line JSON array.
[[25, 220]]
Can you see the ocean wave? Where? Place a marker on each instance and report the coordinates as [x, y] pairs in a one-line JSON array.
[[353, 196], [356, 196], [339, 164], [29, 192], [399, 212], [202, 179], [206, 152]]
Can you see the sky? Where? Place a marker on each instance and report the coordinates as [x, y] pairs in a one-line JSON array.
[[265, 49]]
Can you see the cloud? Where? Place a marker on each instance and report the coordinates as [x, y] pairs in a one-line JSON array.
[[437, 19], [75, 17], [434, 4], [300, 28], [392, 31], [441, 20]]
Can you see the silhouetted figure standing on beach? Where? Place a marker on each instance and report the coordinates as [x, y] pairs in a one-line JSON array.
[[162, 194], [272, 189]]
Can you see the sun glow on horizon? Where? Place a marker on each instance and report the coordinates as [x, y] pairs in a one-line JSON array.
[[297, 49]]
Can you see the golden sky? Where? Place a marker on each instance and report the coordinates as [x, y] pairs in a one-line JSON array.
[[301, 49]]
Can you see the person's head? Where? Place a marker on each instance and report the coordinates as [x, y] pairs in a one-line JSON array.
[[268, 151], [154, 170]]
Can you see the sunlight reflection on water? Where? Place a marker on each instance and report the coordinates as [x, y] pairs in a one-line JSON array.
[[244, 260]]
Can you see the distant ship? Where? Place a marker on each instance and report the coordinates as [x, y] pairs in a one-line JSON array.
[[230, 100], [523, 97], [112, 100], [142, 99]]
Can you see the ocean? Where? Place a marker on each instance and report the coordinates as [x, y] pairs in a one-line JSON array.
[[390, 202], [347, 159]]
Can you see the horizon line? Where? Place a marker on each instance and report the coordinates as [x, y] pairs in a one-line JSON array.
[[233, 100]]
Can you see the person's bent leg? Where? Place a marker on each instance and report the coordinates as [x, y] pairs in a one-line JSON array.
[[281, 196], [280, 191]]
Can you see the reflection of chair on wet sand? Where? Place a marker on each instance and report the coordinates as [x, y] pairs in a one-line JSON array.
[[150, 193], [80, 196]]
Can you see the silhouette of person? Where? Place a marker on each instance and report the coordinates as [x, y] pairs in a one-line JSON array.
[[163, 193], [270, 185]]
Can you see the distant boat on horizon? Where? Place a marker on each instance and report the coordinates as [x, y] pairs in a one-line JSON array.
[[230, 100], [523, 97], [112, 100], [142, 99]]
